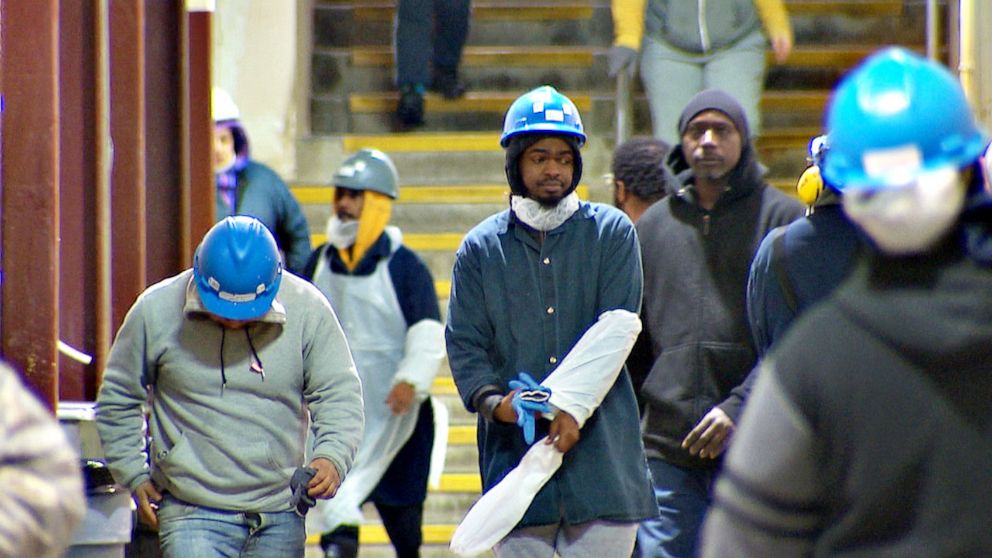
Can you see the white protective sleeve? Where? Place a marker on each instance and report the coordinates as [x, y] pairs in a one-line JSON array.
[[423, 355], [578, 386]]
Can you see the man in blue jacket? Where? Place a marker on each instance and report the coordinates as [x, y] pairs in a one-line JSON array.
[[527, 284], [697, 245]]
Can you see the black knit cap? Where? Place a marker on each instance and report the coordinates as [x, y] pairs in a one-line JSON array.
[[520, 142], [716, 99]]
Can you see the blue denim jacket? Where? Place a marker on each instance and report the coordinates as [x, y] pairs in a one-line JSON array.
[[520, 305]]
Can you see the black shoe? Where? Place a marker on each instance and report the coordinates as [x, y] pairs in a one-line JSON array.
[[445, 82], [341, 542], [410, 110]]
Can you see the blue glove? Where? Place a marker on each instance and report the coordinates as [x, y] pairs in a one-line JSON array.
[[531, 398]]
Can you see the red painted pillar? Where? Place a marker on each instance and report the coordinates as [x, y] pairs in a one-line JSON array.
[[31, 192]]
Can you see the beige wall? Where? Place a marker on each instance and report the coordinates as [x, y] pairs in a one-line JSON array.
[[256, 46]]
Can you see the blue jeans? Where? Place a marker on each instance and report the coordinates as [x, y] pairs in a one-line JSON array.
[[429, 31], [671, 77], [189, 531], [683, 497]]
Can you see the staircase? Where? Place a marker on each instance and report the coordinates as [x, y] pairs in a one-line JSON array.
[[451, 169]]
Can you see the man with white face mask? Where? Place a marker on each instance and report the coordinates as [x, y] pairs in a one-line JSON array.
[[868, 428], [384, 296], [528, 284]]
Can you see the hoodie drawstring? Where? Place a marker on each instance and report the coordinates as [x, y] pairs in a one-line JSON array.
[[256, 363]]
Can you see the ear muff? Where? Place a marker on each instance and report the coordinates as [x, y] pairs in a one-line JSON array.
[[810, 185]]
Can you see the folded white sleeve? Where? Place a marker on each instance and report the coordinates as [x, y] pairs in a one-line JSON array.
[[423, 355], [578, 386]]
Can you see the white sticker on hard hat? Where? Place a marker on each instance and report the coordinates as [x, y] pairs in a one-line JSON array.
[[897, 165], [347, 170], [554, 115], [538, 106], [567, 109], [232, 297]]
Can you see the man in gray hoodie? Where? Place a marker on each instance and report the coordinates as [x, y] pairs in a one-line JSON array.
[[227, 432]]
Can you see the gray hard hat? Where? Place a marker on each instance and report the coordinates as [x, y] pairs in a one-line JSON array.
[[368, 169]]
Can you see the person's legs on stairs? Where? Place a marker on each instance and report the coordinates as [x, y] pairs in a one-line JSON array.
[[450, 32], [413, 41], [404, 526]]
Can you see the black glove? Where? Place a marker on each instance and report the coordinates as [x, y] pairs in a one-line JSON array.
[[621, 58], [301, 501]]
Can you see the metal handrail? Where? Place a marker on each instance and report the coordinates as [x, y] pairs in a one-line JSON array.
[[622, 105]]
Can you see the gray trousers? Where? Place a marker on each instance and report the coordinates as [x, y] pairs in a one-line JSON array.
[[671, 77], [595, 539]]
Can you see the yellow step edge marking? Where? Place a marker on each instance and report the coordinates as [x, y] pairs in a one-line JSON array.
[[376, 534], [794, 100], [465, 193], [444, 385], [484, 101], [432, 242], [493, 13], [425, 142], [460, 483], [489, 56], [461, 435], [461, 194]]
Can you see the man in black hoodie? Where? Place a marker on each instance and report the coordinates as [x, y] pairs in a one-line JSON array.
[[697, 245], [868, 431]]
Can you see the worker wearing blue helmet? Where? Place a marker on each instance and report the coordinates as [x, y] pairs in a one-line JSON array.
[[867, 431], [528, 283], [237, 358]]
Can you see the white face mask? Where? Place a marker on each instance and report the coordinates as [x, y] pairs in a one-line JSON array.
[[543, 218], [911, 219], [341, 234]]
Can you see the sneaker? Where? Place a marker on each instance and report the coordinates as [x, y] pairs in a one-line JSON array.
[[446, 83], [410, 109]]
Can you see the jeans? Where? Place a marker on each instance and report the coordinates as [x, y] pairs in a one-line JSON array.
[[189, 531], [683, 496], [671, 77], [429, 31]]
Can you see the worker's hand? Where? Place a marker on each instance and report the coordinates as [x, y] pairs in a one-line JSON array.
[[504, 412], [400, 398], [710, 437], [621, 58], [781, 48], [147, 498], [563, 432], [325, 483]]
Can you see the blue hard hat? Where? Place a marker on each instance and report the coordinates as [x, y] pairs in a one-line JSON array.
[[542, 110], [896, 116], [237, 268]]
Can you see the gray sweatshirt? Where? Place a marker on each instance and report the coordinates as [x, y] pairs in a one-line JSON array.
[[222, 434]]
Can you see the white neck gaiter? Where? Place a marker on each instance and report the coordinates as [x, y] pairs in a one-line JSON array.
[[543, 218], [911, 219], [341, 234]]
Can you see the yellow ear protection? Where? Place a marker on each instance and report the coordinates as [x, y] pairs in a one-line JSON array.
[[810, 185]]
